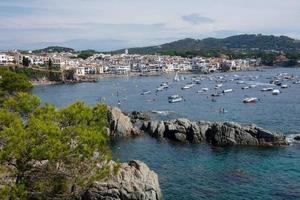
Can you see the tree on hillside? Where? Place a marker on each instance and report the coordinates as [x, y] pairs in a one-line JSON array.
[[48, 153], [25, 61], [50, 64], [55, 153], [11, 82]]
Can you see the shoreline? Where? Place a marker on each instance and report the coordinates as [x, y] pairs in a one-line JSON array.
[[97, 77]]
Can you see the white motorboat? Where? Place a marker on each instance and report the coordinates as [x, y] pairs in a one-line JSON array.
[[146, 92], [160, 88], [284, 86], [173, 96], [176, 100], [275, 92], [267, 89], [188, 86], [218, 86], [250, 100], [164, 85], [296, 82], [227, 91]]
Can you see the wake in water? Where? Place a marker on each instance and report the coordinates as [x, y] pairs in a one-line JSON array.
[[291, 138], [162, 112]]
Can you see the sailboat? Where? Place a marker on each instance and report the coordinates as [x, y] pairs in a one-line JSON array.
[[176, 78]]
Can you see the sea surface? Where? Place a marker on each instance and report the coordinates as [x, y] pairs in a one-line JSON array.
[[200, 171]]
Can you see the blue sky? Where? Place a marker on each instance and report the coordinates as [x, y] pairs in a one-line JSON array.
[[114, 24]]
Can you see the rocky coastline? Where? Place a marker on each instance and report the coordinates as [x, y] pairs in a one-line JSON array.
[[184, 130], [134, 180]]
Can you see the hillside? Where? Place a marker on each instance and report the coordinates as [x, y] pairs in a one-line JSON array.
[[53, 49], [238, 42]]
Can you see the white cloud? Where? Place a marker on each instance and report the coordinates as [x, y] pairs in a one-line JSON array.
[[140, 22]]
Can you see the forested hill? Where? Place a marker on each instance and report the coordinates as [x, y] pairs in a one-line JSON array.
[[54, 49], [238, 42]]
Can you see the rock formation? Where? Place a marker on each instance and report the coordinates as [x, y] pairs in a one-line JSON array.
[[120, 125], [215, 133], [133, 181]]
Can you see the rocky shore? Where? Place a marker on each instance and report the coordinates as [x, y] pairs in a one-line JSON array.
[[215, 133], [183, 130], [134, 180]]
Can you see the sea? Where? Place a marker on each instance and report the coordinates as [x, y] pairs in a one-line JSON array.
[[200, 171]]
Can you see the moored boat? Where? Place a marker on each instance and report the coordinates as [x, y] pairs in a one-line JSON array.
[[275, 92], [146, 92], [267, 89], [176, 100], [227, 91], [188, 86], [250, 100]]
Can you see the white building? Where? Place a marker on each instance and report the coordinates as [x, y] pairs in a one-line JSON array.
[[6, 59]]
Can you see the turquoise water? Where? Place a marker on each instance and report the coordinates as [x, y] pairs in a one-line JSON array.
[[189, 171]]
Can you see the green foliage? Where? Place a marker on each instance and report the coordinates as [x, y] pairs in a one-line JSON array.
[[11, 82], [25, 61], [238, 42], [86, 54], [22, 103], [54, 49], [54, 153]]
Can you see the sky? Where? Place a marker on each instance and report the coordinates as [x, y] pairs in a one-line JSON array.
[[114, 24]]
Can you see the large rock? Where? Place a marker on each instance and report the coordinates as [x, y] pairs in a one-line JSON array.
[[120, 125], [133, 181], [215, 133], [297, 138], [227, 134]]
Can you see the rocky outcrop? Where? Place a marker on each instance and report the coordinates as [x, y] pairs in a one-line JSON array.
[[183, 130], [297, 138], [215, 133], [132, 181], [120, 125]]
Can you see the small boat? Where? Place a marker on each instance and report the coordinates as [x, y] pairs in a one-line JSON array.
[[188, 86], [204, 89], [284, 86], [176, 100], [296, 82], [176, 78], [267, 89], [245, 87], [160, 88], [164, 85], [218, 86], [216, 95], [275, 92], [250, 100], [253, 86], [240, 82], [227, 91], [197, 81], [173, 96], [146, 92]]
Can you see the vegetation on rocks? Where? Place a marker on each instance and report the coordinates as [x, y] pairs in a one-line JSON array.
[[48, 153]]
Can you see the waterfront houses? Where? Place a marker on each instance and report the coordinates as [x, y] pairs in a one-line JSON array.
[[123, 64]]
